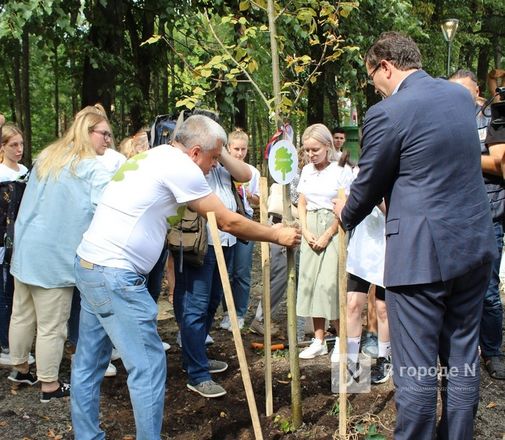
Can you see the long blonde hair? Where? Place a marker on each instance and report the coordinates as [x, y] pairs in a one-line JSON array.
[[321, 133], [8, 131], [70, 149]]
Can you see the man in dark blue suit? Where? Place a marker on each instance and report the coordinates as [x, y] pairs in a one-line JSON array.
[[420, 151]]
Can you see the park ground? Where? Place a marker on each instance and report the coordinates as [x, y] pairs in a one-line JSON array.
[[189, 416]]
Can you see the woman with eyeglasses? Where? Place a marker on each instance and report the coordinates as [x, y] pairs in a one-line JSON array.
[[57, 207]]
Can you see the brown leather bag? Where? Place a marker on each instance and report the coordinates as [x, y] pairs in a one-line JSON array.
[[188, 238]]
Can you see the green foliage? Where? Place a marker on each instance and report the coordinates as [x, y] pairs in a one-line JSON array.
[[369, 432], [283, 424]]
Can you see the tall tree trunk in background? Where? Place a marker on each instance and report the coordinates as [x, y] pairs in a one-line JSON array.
[[10, 89], [330, 71], [57, 130], [482, 69], [106, 39], [163, 106], [25, 93], [143, 57], [315, 102], [17, 116], [240, 104]]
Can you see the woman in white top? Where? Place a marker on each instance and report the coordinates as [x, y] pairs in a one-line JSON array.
[[11, 152], [320, 182]]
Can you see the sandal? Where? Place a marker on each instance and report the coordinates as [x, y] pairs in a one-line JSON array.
[[495, 366]]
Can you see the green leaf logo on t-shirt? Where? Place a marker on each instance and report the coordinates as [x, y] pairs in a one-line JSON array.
[[283, 161], [130, 165], [175, 219]]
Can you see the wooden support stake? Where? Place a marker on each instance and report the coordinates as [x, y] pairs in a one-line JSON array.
[[232, 313], [267, 320], [342, 306]]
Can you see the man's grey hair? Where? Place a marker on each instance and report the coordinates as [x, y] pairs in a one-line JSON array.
[[399, 49], [200, 130], [463, 73]]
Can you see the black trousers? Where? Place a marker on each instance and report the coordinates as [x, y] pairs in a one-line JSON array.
[[430, 323]]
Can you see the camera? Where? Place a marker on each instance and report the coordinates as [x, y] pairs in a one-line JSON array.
[[500, 91], [497, 109]]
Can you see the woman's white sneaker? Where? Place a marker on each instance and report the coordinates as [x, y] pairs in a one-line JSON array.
[[316, 348]]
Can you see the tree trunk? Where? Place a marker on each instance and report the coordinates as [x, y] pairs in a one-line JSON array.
[[25, 93], [57, 130], [330, 70], [240, 104], [483, 67], [17, 117], [106, 37]]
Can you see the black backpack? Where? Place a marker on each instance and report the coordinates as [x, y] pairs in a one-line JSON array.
[[161, 130], [11, 193]]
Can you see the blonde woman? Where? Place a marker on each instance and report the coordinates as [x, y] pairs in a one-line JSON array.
[[57, 207], [135, 144], [11, 152], [320, 180]]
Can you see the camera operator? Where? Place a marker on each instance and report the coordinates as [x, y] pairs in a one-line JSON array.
[[495, 78], [492, 157]]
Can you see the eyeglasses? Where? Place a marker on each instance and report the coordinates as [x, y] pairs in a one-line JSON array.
[[372, 73], [106, 134]]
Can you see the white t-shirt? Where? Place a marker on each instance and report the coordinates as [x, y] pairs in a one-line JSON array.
[[320, 187], [367, 248], [147, 195], [112, 160], [7, 174]]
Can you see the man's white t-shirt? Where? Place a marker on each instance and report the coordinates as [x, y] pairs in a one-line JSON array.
[[147, 195]]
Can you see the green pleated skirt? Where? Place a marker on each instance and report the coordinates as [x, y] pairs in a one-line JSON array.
[[317, 294]]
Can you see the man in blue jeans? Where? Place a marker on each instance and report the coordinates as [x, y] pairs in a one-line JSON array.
[[123, 243], [492, 152]]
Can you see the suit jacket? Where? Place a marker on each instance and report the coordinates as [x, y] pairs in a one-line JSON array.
[[420, 151]]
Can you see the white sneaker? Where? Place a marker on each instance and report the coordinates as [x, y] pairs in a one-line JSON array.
[[166, 346], [335, 354], [111, 370], [115, 355], [225, 323], [5, 358], [240, 324], [317, 348]]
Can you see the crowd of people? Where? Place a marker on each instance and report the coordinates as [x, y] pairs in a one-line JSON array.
[[83, 249]]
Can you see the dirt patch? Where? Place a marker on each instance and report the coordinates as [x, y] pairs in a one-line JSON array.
[[189, 416]]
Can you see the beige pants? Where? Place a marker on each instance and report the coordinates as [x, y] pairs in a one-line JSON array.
[[46, 311]]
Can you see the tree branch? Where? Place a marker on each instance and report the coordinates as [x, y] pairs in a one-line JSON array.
[[244, 71]]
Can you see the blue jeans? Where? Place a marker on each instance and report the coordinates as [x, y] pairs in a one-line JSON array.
[[491, 325], [6, 294], [240, 277], [73, 320], [197, 295], [155, 277], [116, 308]]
